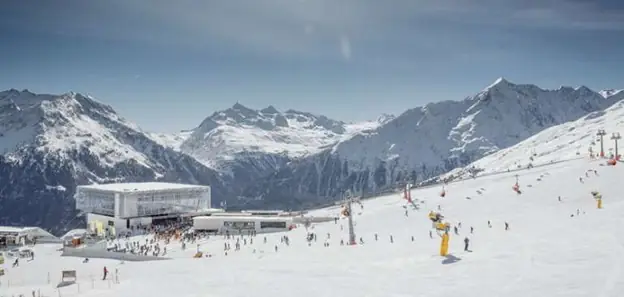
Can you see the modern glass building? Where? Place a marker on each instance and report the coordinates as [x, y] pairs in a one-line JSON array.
[[127, 204]]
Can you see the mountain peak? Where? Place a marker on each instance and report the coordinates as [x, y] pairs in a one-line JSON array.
[[239, 106], [269, 110], [499, 82], [384, 118]]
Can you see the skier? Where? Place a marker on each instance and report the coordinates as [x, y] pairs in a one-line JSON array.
[[506, 226], [466, 243], [105, 273]]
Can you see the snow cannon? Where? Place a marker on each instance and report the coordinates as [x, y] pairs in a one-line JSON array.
[[611, 162], [596, 195], [442, 226], [432, 216], [444, 245], [435, 216]]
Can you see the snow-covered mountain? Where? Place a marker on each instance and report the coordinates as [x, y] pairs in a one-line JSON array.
[[576, 139], [51, 143], [260, 158], [248, 144], [236, 131], [611, 92], [431, 140]]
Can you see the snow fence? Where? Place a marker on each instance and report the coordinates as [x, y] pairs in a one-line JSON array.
[[103, 254]]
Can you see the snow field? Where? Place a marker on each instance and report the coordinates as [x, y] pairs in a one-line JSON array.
[[546, 252]]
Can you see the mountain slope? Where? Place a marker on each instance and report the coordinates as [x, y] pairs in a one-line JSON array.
[[247, 144], [430, 140], [563, 142], [239, 130], [51, 143]]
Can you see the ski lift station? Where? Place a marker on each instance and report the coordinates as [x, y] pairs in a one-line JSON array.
[[114, 208]]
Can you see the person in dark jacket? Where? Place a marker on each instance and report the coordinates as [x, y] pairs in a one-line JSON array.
[[466, 243]]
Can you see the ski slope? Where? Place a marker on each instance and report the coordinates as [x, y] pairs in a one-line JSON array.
[[546, 252], [562, 142]]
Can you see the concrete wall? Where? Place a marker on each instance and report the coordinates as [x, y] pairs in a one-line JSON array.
[[302, 220], [103, 254]]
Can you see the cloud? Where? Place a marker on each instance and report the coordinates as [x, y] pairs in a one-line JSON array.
[[275, 26]]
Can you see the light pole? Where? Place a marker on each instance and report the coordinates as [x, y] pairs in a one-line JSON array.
[[601, 133], [616, 136]]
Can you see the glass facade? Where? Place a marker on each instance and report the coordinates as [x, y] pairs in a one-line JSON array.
[[96, 202], [143, 203], [169, 202]]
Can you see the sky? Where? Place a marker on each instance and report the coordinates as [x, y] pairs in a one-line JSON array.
[[167, 65]]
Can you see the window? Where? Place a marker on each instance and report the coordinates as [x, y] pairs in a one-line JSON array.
[[264, 225], [239, 225], [101, 203]]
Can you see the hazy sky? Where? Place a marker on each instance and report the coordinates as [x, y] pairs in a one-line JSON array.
[[168, 64]]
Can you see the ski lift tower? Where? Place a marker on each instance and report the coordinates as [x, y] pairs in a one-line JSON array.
[[601, 133], [349, 199], [616, 136]]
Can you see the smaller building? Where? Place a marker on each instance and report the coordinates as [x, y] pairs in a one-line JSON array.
[[19, 236], [242, 224]]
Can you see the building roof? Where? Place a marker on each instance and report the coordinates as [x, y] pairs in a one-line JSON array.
[[140, 187], [7, 229], [35, 231]]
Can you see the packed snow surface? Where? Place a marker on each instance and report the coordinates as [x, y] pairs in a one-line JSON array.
[[553, 248]]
